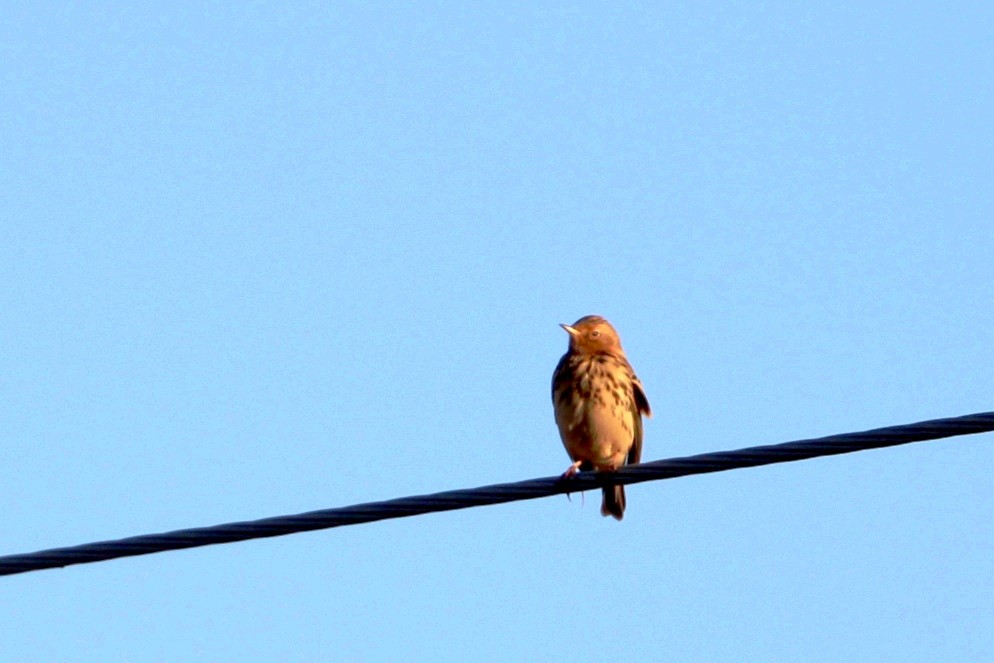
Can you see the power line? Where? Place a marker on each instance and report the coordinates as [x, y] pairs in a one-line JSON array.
[[718, 461]]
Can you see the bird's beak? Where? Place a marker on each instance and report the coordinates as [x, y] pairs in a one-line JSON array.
[[570, 330]]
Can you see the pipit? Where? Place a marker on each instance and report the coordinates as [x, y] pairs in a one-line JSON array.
[[598, 403]]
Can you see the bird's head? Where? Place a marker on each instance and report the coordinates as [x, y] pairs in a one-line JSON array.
[[592, 334]]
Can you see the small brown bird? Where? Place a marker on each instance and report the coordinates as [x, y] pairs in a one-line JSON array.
[[598, 403]]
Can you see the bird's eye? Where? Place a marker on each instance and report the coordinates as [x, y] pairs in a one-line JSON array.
[[595, 333]]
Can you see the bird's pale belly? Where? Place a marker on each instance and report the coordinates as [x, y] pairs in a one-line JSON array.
[[599, 436]]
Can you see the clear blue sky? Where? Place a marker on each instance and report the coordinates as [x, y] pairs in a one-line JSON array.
[[264, 258]]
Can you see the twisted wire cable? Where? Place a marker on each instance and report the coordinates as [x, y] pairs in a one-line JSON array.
[[717, 461]]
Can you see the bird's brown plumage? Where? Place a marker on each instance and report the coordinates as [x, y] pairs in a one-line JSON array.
[[598, 403]]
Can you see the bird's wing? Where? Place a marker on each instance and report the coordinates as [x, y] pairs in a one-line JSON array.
[[641, 402], [640, 406], [635, 453]]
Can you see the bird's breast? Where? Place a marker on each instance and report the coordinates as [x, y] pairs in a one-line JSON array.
[[595, 415]]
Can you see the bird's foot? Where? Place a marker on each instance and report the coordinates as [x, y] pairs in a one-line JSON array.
[[583, 498], [572, 471]]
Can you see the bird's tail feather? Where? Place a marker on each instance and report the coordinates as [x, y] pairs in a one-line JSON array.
[[614, 502]]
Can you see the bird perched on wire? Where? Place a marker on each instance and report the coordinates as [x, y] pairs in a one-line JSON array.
[[598, 403]]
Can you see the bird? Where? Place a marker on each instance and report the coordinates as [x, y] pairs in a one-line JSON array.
[[598, 403]]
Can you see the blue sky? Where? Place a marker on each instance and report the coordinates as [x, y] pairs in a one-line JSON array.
[[266, 258]]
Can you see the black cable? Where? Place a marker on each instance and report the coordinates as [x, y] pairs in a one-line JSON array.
[[497, 494]]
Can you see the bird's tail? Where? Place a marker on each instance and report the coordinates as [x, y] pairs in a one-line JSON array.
[[614, 502]]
